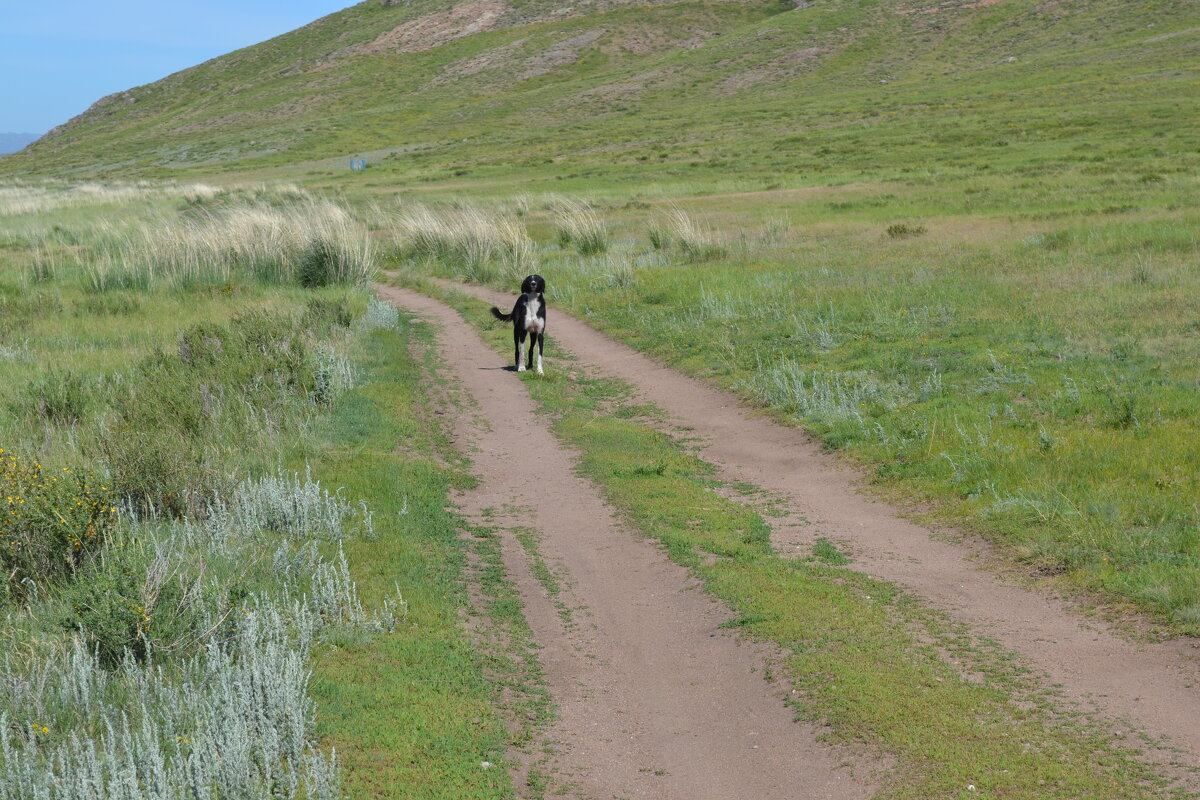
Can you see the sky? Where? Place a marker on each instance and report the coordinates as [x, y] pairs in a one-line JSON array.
[[57, 58]]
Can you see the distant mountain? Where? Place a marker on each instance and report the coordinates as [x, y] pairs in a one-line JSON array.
[[12, 142]]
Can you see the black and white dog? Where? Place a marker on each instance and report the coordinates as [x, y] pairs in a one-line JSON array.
[[528, 316]]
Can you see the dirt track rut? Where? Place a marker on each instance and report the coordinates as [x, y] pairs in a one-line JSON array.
[[1151, 688], [655, 699]]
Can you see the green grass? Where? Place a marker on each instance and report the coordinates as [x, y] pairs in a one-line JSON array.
[[953, 710], [1033, 380]]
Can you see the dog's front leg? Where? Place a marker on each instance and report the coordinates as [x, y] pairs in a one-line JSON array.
[[520, 340]]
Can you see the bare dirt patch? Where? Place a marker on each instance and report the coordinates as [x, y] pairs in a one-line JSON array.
[[559, 54], [785, 67], [1140, 688], [434, 30], [655, 699], [495, 58]]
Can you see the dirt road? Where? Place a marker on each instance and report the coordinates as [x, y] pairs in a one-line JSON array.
[[655, 699], [1153, 688]]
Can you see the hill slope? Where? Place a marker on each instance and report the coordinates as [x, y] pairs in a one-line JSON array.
[[433, 90]]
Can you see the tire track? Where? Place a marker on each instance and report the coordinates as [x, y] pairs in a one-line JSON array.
[[655, 700]]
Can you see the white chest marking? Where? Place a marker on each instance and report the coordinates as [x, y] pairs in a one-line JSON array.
[[533, 323]]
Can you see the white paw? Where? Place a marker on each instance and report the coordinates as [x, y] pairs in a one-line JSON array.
[[520, 368], [539, 371]]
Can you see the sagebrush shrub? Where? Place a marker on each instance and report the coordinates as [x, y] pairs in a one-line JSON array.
[[139, 597], [231, 721]]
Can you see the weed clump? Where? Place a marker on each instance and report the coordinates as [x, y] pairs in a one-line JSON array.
[[317, 264], [324, 314], [659, 238], [51, 522], [902, 230], [60, 397]]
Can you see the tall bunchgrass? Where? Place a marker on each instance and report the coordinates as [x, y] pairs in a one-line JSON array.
[[578, 226], [693, 240], [312, 243], [476, 245]]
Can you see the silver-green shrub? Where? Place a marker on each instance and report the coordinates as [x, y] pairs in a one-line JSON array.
[[231, 722], [381, 315], [220, 711]]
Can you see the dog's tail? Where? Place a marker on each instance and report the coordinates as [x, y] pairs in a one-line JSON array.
[[498, 314]]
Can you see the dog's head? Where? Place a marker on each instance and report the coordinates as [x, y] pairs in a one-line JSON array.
[[533, 283]]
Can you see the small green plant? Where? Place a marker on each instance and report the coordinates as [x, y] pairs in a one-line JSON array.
[[1143, 271], [317, 264], [660, 239], [1051, 240], [902, 230], [323, 314], [827, 552]]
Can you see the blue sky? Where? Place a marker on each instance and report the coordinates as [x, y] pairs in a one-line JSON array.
[[57, 58]]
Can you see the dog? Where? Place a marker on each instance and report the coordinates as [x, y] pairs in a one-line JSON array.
[[528, 317]]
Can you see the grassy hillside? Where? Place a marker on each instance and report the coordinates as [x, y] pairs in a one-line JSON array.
[[674, 91]]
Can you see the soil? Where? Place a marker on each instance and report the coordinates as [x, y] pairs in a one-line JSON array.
[[654, 698], [1138, 688]]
